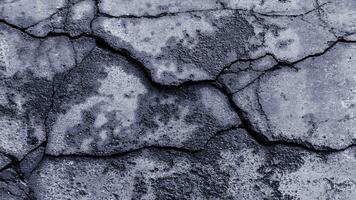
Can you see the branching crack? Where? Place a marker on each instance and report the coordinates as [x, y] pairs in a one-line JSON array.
[[246, 124]]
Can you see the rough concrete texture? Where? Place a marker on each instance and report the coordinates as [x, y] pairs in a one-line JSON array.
[[177, 99]]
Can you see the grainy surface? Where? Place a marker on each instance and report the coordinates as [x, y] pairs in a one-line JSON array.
[[177, 99]]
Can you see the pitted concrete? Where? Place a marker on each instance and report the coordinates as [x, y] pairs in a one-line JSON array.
[[177, 99]]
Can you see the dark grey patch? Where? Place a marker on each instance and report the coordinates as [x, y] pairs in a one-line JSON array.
[[150, 106], [140, 188], [310, 120], [214, 183], [31, 139], [273, 28], [280, 160], [148, 5], [283, 44], [163, 8], [205, 175], [285, 159], [207, 126], [10, 109], [178, 186], [36, 91]]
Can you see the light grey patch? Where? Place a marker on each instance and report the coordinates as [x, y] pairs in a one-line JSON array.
[[264, 63], [315, 103], [82, 83], [339, 16], [25, 13], [55, 55]]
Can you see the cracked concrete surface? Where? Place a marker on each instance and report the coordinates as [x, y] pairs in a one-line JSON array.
[[177, 99]]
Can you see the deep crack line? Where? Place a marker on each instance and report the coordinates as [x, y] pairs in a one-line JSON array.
[[260, 138], [264, 141]]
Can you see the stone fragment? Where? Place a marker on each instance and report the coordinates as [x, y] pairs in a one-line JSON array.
[[75, 20], [180, 48], [197, 46], [25, 13], [314, 105], [105, 105]]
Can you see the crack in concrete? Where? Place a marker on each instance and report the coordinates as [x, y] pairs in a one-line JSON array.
[[246, 124], [150, 147], [223, 8]]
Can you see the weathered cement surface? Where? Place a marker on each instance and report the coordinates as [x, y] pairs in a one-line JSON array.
[[177, 99], [233, 166]]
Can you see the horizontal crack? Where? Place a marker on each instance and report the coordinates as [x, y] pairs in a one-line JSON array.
[[149, 147], [195, 11]]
